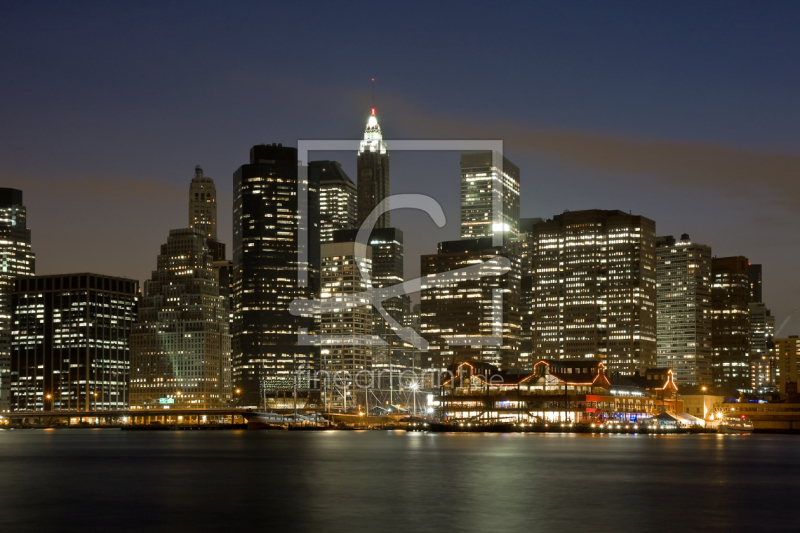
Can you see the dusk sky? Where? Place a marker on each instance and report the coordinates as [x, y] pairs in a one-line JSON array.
[[686, 113]]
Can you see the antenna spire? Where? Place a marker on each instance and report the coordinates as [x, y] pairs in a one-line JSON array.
[[373, 96]]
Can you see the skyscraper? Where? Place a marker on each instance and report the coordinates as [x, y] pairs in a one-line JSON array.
[[345, 347], [594, 283], [203, 204], [788, 354], [684, 309], [70, 348], [203, 211], [730, 328], [373, 173], [17, 260], [337, 198], [755, 283], [457, 318], [387, 270], [763, 364], [266, 261], [181, 343], [523, 248], [489, 195]]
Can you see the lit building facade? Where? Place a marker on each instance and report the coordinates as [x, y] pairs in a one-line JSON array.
[[337, 198], [461, 318], [266, 261], [340, 279], [554, 390], [489, 195], [788, 353], [593, 283], [386, 246], [730, 326], [523, 247], [763, 364], [181, 343], [203, 204], [70, 346], [684, 309], [17, 260], [203, 211], [372, 173]]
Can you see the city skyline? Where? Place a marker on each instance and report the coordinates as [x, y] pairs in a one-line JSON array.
[[708, 156], [313, 266]]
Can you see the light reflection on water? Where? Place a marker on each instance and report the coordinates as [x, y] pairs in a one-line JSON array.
[[105, 480]]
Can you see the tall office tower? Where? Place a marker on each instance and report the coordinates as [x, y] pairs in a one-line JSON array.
[[203, 211], [387, 270], [70, 349], [755, 283], [267, 259], [523, 247], [17, 260], [337, 198], [373, 173], [684, 309], [594, 283], [730, 327], [763, 364], [345, 343], [460, 317], [203, 204], [788, 354], [412, 320], [181, 343], [223, 274], [489, 195]]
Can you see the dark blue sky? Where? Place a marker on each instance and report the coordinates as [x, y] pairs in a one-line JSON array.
[[683, 112]]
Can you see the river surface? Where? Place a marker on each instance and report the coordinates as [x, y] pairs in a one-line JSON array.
[[111, 480]]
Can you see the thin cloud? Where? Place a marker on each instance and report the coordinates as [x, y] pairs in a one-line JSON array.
[[771, 178], [117, 187]]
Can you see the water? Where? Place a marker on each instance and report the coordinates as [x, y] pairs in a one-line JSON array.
[[111, 480]]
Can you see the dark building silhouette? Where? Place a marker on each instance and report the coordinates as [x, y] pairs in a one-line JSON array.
[[16, 259], [70, 350], [755, 284], [266, 261], [372, 173], [730, 326]]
